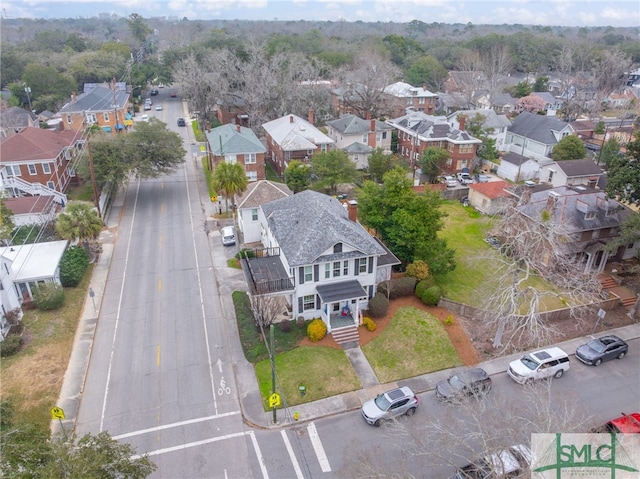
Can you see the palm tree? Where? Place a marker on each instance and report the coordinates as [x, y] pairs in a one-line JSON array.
[[229, 179], [80, 221]]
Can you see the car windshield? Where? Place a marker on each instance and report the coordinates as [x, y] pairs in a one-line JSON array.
[[596, 345], [456, 383], [382, 402], [529, 362]]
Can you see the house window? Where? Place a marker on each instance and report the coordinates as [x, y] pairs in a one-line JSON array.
[[336, 269], [254, 214], [345, 268], [252, 175], [364, 139], [106, 117], [68, 118], [335, 307], [249, 158], [308, 274], [337, 248], [13, 170], [51, 185], [32, 169], [630, 245], [384, 135], [378, 138], [356, 158], [361, 264], [589, 215], [551, 172], [231, 159], [91, 118], [46, 167], [327, 270], [308, 302], [310, 152]]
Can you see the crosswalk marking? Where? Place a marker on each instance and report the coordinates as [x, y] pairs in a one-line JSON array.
[[294, 460], [318, 448]]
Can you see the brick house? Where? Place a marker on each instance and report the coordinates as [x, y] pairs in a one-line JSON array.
[[402, 95], [105, 106], [237, 144], [36, 162], [293, 138], [419, 131]]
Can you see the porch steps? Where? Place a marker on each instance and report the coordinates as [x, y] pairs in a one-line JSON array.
[[607, 281], [629, 301], [347, 334]]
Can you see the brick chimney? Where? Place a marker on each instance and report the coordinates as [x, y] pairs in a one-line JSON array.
[[290, 118], [352, 210], [371, 137], [73, 97], [238, 128], [311, 118], [462, 120]]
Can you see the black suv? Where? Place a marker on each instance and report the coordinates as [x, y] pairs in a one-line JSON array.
[[154, 92], [181, 122]]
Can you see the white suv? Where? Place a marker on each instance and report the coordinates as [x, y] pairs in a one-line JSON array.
[[550, 362]]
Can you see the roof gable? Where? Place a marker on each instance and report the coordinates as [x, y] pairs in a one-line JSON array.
[[293, 133], [491, 189], [573, 168], [539, 128], [354, 125], [261, 192], [229, 139], [99, 99]]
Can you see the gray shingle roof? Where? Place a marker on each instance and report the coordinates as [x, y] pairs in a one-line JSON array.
[[357, 147], [574, 168], [515, 158], [261, 192], [98, 99], [226, 139], [432, 127], [309, 223], [537, 127], [354, 125], [293, 133], [491, 118]]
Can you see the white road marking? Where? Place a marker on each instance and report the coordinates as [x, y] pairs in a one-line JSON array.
[[294, 460], [175, 424], [190, 444], [256, 446], [318, 448]]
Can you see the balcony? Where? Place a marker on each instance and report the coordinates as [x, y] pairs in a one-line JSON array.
[[265, 273]]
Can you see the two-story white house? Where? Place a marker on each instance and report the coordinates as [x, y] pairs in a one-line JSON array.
[[358, 137], [494, 125], [320, 259], [571, 173], [249, 203], [535, 136]]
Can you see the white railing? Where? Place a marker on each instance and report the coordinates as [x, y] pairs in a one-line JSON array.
[[34, 189]]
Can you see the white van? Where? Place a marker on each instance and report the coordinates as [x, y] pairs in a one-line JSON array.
[[228, 235], [550, 362]]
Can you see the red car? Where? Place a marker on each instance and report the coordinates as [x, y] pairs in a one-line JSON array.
[[626, 424]]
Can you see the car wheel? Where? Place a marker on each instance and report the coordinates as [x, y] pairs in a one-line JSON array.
[[559, 373], [410, 411], [529, 381], [377, 423], [597, 362]]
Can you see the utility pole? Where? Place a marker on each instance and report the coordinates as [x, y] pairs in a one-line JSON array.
[[93, 180]]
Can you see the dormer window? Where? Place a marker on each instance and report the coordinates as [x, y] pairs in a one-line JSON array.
[[337, 248], [589, 215]]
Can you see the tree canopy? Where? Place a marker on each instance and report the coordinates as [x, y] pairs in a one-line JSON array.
[[433, 160], [406, 221], [79, 221], [569, 148], [332, 168], [380, 163], [148, 151], [6, 223], [297, 176], [229, 179], [624, 174]]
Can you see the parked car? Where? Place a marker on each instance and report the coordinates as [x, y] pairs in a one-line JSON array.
[[481, 178], [228, 235], [626, 424], [602, 349], [450, 181], [154, 92], [158, 107], [472, 382], [144, 118], [389, 405], [465, 178], [181, 122], [546, 363], [173, 94], [510, 462], [148, 101], [147, 106]]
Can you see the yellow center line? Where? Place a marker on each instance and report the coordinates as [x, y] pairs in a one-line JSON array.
[[159, 286], [158, 355]]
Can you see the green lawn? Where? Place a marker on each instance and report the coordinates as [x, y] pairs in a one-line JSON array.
[[413, 343], [323, 371]]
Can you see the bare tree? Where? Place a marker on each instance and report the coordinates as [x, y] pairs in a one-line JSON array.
[[495, 62], [363, 84], [266, 310], [608, 73], [472, 429], [471, 77], [534, 251]]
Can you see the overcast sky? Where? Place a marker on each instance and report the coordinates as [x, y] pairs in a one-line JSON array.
[[619, 13]]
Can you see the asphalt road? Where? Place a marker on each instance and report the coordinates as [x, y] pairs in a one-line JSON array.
[[161, 374]]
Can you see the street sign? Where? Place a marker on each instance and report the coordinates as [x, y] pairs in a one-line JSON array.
[[214, 198], [57, 413], [274, 400], [203, 148]]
